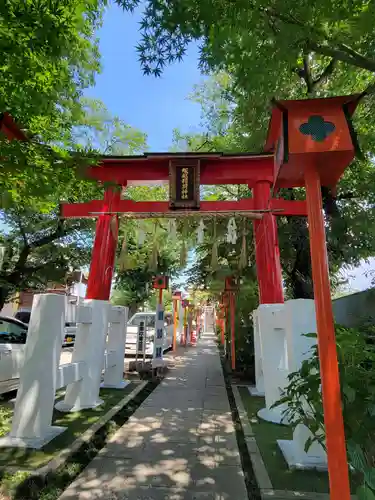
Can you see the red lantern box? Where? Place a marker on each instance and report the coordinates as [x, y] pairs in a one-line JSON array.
[[161, 282], [312, 131], [176, 295], [185, 303]]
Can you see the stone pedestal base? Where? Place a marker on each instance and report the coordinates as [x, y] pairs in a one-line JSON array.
[[254, 391], [159, 363], [274, 416], [35, 443], [294, 451], [66, 408], [121, 385], [297, 458]]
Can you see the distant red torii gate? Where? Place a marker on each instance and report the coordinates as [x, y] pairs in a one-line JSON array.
[[256, 171]]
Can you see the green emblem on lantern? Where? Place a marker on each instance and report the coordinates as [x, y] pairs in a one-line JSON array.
[[317, 128]]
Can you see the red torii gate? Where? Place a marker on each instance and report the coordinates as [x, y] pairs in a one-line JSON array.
[[257, 171], [310, 143]]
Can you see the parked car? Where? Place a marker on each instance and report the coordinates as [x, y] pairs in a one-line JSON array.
[[13, 334], [148, 319], [70, 328]]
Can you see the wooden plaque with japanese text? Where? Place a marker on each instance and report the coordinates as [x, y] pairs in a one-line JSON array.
[[184, 184]]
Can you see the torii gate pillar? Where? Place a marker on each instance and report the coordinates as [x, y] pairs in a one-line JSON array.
[[104, 250], [267, 249]]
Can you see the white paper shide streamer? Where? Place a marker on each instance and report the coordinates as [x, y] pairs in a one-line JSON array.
[[172, 229], [232, 231], [141, 235], [200, 232]]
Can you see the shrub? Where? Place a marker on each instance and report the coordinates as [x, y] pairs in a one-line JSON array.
[[356, 358]]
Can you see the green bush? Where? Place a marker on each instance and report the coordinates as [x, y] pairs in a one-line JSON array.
[[245, 358], [356, 358]]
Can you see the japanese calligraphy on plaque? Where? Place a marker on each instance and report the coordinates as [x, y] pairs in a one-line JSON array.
[[184, 183]]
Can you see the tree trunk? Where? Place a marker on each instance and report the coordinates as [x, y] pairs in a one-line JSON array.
[[301, 286], [300, 278], [4, 296]]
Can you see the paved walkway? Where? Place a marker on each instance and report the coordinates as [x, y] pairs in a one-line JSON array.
[[179, 445]]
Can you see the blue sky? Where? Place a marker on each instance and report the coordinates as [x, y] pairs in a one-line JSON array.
[[154, 105]]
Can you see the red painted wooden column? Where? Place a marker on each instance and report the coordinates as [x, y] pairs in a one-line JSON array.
[[104, 250], [232, 329], [267, 249], [333, 419]]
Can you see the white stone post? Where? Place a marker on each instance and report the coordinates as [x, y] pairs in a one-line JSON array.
[[258, 390], [113, 376], [274, 358], [89, 347], [32, 418], [299, 320]]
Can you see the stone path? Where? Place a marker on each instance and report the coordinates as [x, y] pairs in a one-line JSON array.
[[179, 445]]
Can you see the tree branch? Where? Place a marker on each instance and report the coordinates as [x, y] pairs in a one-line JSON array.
[[19, 268], [341, 52], [349, 57], [307, 75], [346, 196], [58, 233], [22, 231], [231, 193], [327, 72]]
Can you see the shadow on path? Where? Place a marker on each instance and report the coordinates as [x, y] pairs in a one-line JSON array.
[[179, 444]]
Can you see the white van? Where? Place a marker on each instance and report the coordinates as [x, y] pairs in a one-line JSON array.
[[148, 319]]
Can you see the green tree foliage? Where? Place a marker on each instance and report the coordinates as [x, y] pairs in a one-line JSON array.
[[49, 56], [349, 211], [341, 31], [98, 130], [283, 50], [39, 246]]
